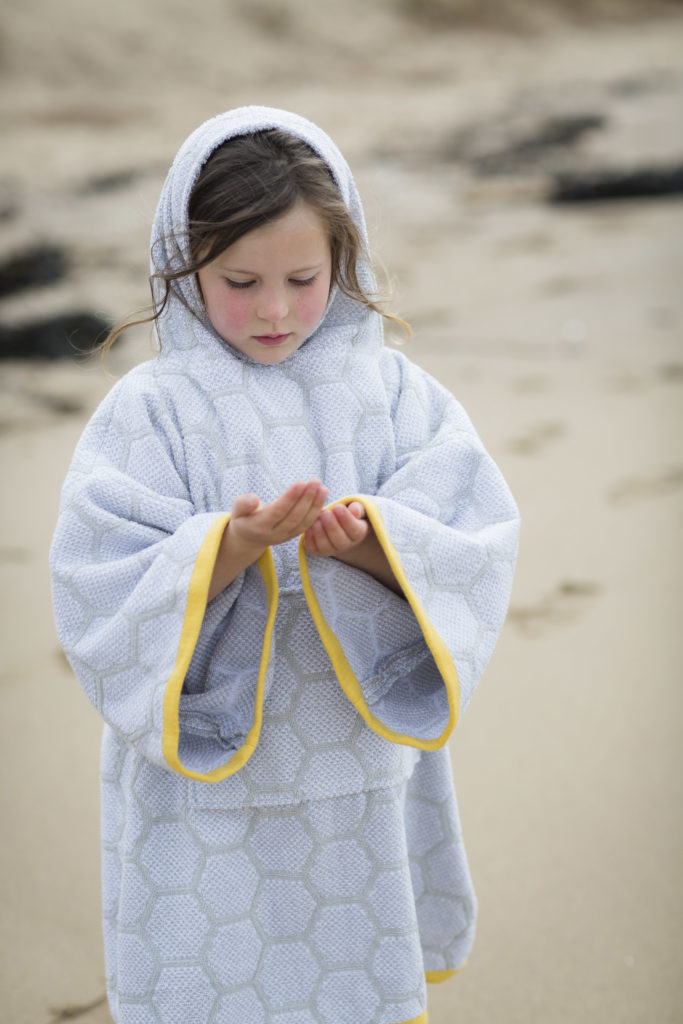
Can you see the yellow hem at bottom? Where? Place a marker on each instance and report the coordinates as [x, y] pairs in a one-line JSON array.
[[436, 977]]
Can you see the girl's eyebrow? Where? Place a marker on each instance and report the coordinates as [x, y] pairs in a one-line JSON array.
[[252, 273]]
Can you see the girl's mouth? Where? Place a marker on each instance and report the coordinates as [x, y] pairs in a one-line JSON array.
[[271, 339]]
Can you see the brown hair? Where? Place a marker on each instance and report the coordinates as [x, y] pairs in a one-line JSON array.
[[248, 181]]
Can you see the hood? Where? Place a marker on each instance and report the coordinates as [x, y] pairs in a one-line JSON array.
[[184, 326]]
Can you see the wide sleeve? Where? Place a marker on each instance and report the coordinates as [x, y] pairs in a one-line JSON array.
[[448, 526], [131, 562]]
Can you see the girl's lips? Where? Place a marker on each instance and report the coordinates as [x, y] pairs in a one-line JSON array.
[[271, 339]]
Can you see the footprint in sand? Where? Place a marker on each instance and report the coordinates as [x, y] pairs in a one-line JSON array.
[[537, 438], [74, 1011], [563, 605], [663, 481], [531, 384], [14, 556], [625, 382], [672, 373]]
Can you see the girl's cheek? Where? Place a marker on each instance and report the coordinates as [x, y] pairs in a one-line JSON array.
[[239, 317], [234, 313], [312, 305]]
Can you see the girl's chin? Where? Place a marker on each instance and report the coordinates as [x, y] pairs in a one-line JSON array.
[[271, 356]]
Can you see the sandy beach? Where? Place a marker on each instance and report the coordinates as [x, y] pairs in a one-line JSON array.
[[559, 325]]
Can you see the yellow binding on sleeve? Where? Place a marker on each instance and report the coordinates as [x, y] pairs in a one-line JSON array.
[[197, 595], [345, 674]]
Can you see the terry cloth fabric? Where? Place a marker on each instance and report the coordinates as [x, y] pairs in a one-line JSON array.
[[281, 841]]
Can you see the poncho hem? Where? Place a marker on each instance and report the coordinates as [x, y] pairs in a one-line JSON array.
[[438, 977], [422, 1019]]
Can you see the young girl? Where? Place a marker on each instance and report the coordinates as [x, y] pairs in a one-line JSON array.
[[281, 564]]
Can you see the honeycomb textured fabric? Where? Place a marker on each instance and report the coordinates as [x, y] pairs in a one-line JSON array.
[[281, 842]]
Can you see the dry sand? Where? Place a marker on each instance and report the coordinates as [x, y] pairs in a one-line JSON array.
[[560, 329]]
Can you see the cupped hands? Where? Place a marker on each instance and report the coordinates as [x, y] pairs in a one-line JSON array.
[[259, 526]]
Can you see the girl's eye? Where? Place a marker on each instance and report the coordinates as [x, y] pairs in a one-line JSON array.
[[238, 284], [296, 281]]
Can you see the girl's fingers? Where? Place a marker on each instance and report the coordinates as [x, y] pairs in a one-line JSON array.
[[291, 514], [277, 510], [335, 530], [354, 527], [283, 505], [341, 529], [321, 543], [312, 538], [300, 510], [298, 507]]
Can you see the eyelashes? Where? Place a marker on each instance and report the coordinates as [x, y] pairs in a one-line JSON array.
[[303, 284], [297, 282]]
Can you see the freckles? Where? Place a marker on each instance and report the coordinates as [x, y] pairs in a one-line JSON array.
[[310, 307], [238, 317]]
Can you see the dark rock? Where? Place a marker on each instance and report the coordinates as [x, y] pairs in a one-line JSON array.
[[63, 405], [512, 144], [32, 268], [662, 80], [109, 182], [9, 200], [634, 183], [557, 131], [8, 210], [57, 337]]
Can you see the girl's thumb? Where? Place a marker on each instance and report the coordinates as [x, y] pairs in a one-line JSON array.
[[245, 505]]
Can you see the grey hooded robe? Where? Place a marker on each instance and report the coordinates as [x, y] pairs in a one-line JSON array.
[[281, 841]]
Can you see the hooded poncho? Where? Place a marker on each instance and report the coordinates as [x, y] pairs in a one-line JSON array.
[[281, 841]]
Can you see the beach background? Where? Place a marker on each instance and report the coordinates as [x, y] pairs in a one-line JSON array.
[[480, 135]]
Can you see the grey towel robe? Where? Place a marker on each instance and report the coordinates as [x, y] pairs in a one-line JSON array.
[[280, 834]]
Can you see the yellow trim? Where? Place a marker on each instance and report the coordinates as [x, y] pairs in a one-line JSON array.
[[437, 977], [345, 674], [197, 595], [434, 978]]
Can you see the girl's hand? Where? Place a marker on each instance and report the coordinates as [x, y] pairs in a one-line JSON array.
[[258, 526], [343, 532], [337, 530], [253, 527]]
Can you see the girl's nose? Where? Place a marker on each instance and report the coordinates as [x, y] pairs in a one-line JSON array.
[[273, 307]]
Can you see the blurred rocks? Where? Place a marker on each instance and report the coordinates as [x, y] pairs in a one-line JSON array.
[[32, 268], [520, 142], [58, 337], [600, 185], [114, 182]]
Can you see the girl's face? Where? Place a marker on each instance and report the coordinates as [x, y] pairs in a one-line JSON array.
[[266, 293]]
